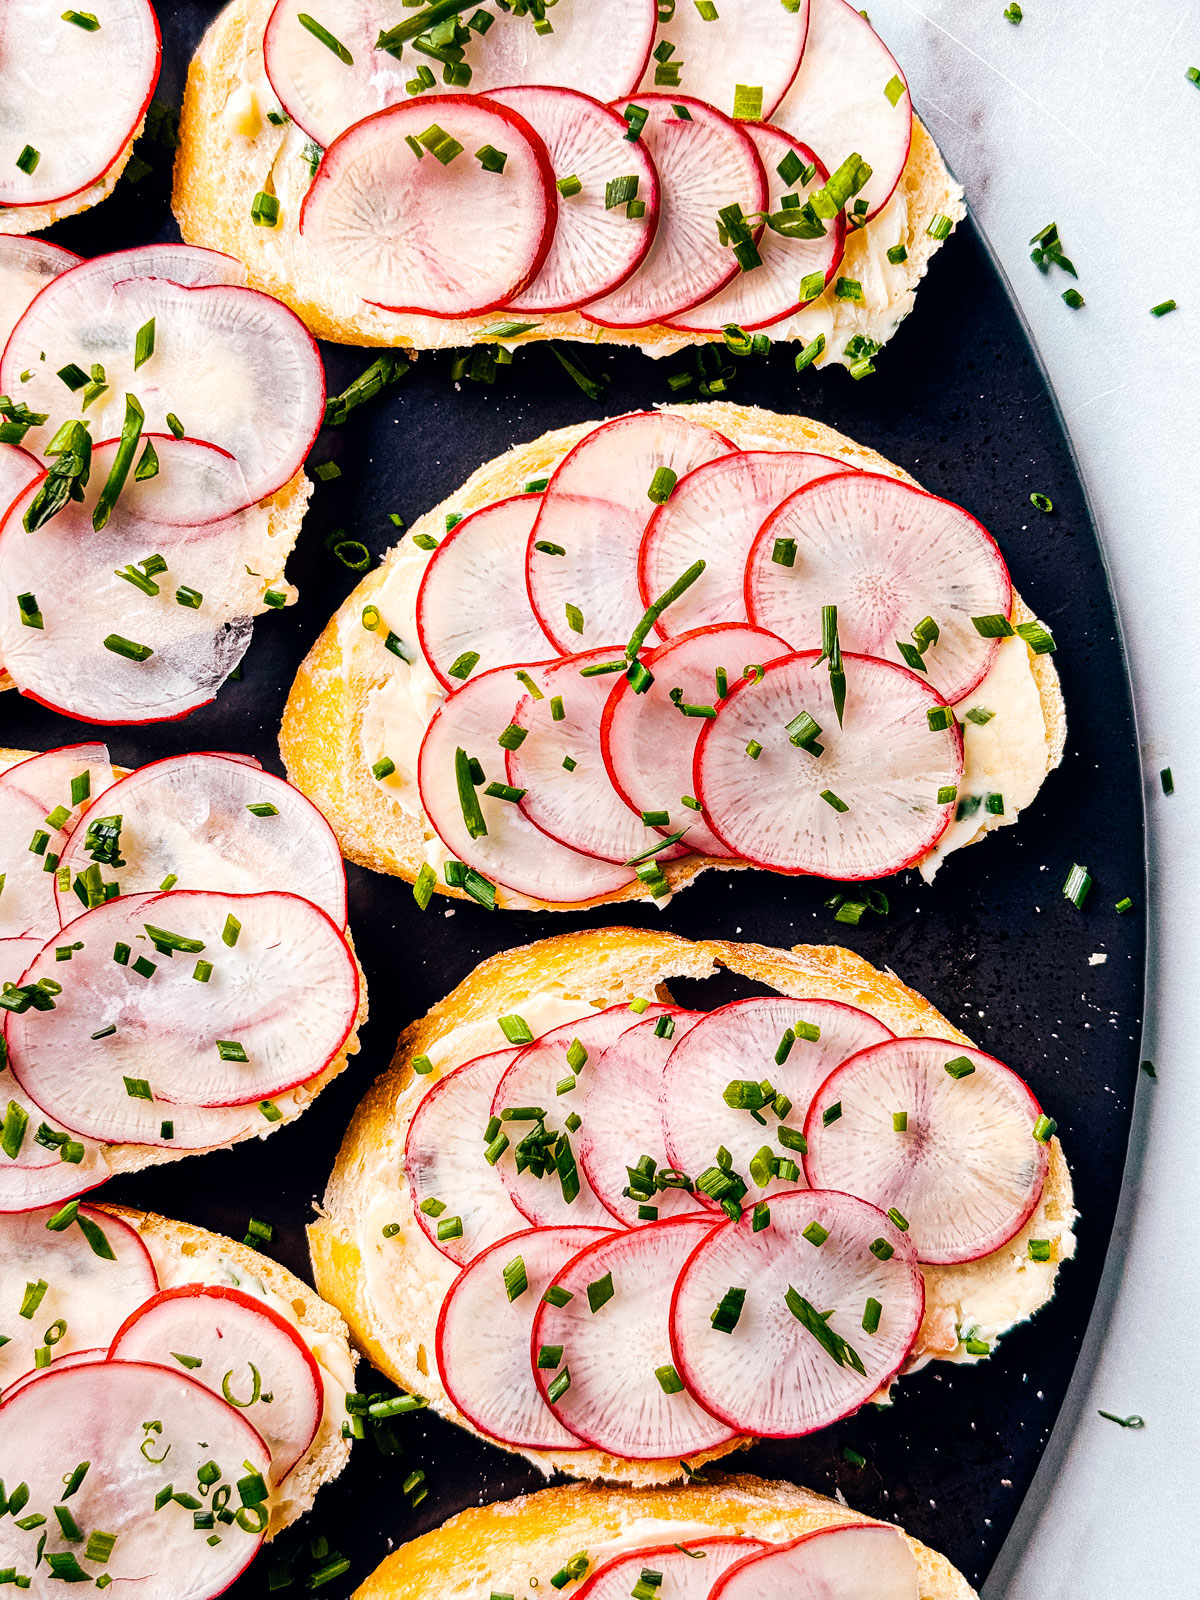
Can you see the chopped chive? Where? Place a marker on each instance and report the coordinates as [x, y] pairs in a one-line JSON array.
[[28, 159], [128, 648], [1039, 1249], [1044, 1129], [960, 1067], [82, 19], [1074, 299], [491, 159], [940, 227], [231, 1050], [671, 1383], [831, 799], [831, 1113], [1123, 905], [144, 344], [1042, 502], [1162, 308], [1077, 886], [515, 1029], [1167, 781], [465, 665], [993, 627], [900, 1121], [896, 254], [202, 971], [230, 932], [568, 186], [326, 38], [815, 1234], [600, 1292]]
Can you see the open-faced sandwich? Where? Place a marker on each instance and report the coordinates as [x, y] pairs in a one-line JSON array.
[[702, 636], [633, 172], [618, 1236]]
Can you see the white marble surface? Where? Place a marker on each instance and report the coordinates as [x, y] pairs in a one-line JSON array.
[[1083, 115]]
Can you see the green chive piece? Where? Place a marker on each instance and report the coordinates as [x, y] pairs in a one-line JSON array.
[[1039, 1249], [515, 1029], [747, 102], [1044, 1129], [231, 1050], [831, 799], [424, 886], [231, 931], [263, 808], [82, 19], [1124, 1422], [670, 1382], [1078, 885], [569, 186], [144, 344], [1042, 502], [264, 210], [383, 768], [831, 1113], [28, 159], [896, 254], [1124, 905], [1163, 307], [129, 648], [940, 227], [960, 1067], [816, 1234], [1074, 299], [202, 971], [1167, 781], [882, 1250], [326, 38], [894, 90], [131, 431], [465, 665], [600, 1292]]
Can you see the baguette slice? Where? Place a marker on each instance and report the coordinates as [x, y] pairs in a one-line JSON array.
[[511, 1547], [321, 740], [390, 1290]]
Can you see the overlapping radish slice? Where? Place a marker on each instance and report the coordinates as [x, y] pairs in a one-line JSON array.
[[706, 162], [867, 805], [210, 821], [134, 1430], [595, 510], [483, 1334], [728, 52], [75, 136], [738, 1047], [649, 742], [473, 600], [435, 233], [282, 994], [18, 469], [34, 1166], [623, 1120], [575, 804], [888, 555], [512, 852], [838, 1563], [41, 800], [613, 1347], [964, 1171], [73, 1358], [241, 1349], [792, 271], [598, 241], [92, 1285], [713, 515], [26, 267], [850, 98], [689, 1570], [799, 1354], [106, 649]]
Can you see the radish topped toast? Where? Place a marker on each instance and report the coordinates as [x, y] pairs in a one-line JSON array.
[[583, 1221], [631, 173], [131, 1338], [731, 1538], [699, 636], [161, 994]]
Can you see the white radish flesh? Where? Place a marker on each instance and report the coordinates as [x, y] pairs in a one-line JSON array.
[[622, 1398], [73, 1358], [34, 1174], [839, 1563], [885, 766], [888, 555], [773, 1376], [483, 1337], [18, 470], [689, 1570], [596, 509], [745, 45], [965, 1171], [26, 267], [438, 235], [38, 810]]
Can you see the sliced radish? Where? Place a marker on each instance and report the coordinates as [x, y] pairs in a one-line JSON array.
[[792, 271], [839, 1563], [434, 233], [772, 1375], [72, 571], [888, 555], [191, 818], [598, 242], [89, 1293], [26, 267], [242, 1350], [138, 1429], [965, 1171], [473, 601], [38, 809], [75, 136], [688, 1571], [18, 470], [713, 515], [73, 1358], [741, 1043], [727, 51], [596, 509], [885, 768], [649, 743], [577, 805], [483, 1335], [850, 98], [623, 1119], [34, 1171], [612, 1339], [705, 163], [512, 852]]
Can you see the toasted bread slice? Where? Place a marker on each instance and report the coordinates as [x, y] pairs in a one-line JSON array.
[[390, 1289]]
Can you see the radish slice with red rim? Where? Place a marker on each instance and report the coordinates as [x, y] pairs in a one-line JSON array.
[[793, 271], [623, 1121], [512, 852], [241, 1349], [866, 806], [740, 59], [18, 471], [595, 511], [614, 1383], [98, 1415], [965, 1171], [26, 267], [436, 234], [714, 514], [889, 556], [75, 137], [688, 1570], [88, 1293], [209, 821], [34, 1170], [473, 601], [793, 1354], [38, 810], [649, 742], [73, 1358], [839, 1563], [850, 98], [735, 1050], [598, 241], [705, 163], [483, 1335]]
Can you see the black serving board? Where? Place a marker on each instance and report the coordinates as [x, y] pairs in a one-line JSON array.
[[961, 401]]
